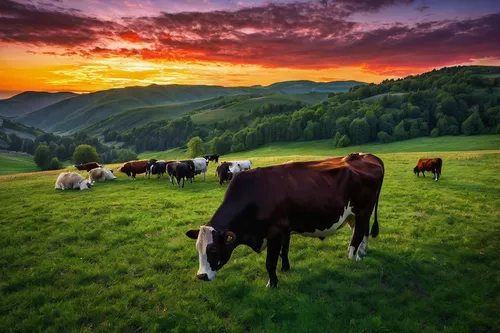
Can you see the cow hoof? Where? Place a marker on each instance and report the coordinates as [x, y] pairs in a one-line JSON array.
[[271, 285], [362, 252], [285, 268]]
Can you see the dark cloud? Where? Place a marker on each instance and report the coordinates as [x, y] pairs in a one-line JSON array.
[[30, 23], [312, 35], [422, 8]]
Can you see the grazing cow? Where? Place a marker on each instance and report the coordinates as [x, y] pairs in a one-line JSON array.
[[433, 165], [87, 166], [264, 206], [223, 172], [100, 174], [212, 157], [179, 170], [191, 169], [72, 180], [200, 165], [159, 168], [149, 166], [240, 166], [134, 167], [226, 170]]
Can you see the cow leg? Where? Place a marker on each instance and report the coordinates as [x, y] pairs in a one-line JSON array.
[[285, 264], [204, 175], [423, 173], [362, 224], [183, 180], [172, 179], [364, 244], [274, 244]]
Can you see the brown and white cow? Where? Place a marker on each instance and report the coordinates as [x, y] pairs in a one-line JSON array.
[[264, 206], [433, 165], [133, 168], [87, 166], [100, 174], [72, 180]]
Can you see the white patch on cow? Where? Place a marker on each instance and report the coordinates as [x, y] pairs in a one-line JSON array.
[[84, 184], [264, 244], [335, 226], [365, 243], [204, 238], [351, 254]]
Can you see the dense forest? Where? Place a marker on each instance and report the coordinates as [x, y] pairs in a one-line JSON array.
[[450, 101]]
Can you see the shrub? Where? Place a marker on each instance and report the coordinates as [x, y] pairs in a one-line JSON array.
[[195, 147], [84, 154], [42, 156], [55, 164]]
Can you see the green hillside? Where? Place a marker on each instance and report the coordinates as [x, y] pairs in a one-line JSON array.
[[220, 114], [14, 135], [30, 101], [326, 148], [83, 111], [131, 118], [12, 163], [304, 86]]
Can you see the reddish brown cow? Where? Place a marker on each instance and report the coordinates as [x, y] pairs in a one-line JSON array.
[[433, 165], [264, 206], [87, 166], [132, 168]]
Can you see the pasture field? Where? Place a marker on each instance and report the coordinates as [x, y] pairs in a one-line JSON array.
[[115, 258], [16, 163]]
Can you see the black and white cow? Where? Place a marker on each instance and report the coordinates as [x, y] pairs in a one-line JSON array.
[[264, 206]]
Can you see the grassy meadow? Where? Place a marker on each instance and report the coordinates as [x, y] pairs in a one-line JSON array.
[[115, 258], [12, 163]]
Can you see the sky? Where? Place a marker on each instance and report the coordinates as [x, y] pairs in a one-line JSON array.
[[90, 45]]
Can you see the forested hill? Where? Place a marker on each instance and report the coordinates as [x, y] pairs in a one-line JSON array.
[[124, 108], [30, 101], [450, 101]]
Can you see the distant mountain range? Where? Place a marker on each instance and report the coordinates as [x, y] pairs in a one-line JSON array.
[[30, 101], [132, 106]]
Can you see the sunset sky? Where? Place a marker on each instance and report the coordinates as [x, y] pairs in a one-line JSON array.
[[89, 45]]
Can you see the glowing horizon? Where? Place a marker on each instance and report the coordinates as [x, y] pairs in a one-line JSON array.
[[63, 45]]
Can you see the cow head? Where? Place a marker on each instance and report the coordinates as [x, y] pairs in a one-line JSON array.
[[214, 250], [84, 184], [415, 170]]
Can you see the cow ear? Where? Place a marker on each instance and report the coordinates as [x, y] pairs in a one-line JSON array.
[[229, 237], [193, 233]]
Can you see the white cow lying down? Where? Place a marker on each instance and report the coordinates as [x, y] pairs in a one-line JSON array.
[[72, 180], [100, 174]]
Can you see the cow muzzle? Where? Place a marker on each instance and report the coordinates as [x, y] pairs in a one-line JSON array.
[[203, 277]]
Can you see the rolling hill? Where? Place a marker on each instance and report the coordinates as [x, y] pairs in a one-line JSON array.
[[30, 101], [8, 127], [212, 115], [146, 104]]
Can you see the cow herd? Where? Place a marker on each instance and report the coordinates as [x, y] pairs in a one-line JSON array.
[[263, 207]]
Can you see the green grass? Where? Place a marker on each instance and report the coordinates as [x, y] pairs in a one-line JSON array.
[[16, 163], [116, 258], [325, 147]]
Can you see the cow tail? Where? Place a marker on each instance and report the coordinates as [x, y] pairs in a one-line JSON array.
[[375, 228]]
